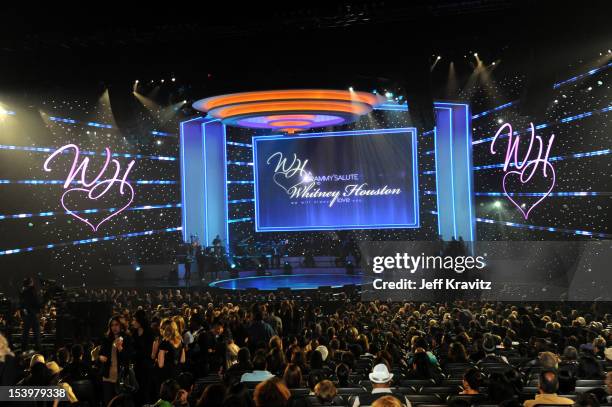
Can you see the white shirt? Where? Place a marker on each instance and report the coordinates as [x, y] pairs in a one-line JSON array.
[[256, 376], [187, 338]]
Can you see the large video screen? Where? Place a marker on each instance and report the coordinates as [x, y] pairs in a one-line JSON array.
[[331, 181]]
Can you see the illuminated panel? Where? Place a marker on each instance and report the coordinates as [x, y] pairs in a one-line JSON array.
[[290, 110], [299, 94], [454, 182], [374, 185], [203, 180]]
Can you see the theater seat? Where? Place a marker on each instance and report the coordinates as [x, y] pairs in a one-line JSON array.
[[590, 382], [439, 390], [84, 392], [417, 383], [301, 392], [467, 397], [251, 385], [350, 390], [457, 367], [452, 382], [423, 398], [314, 401], [406, 390], [588, 388]]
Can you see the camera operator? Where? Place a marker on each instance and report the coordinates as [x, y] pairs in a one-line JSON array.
[[29, 306]]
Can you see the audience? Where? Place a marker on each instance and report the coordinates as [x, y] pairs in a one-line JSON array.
[[271, 393], [387, 401], [260, 372], [8, 368], [190, 348], [381, 386], [326, 394], [549, 384]]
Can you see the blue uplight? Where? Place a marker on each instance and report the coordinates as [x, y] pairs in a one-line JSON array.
[[546, 228], [91, 240], [581, 76], [240, 220], [233, 143], [49, 214]]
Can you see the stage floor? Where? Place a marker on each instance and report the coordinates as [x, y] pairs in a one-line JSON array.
[[156, 276], [300, 279]]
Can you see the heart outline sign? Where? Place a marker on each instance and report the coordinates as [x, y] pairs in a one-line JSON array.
[[536, 203], [527, 167], [105, 184], [86, 221], [283, 175]]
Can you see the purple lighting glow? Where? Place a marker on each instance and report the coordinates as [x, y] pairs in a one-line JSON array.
[[299, 120]]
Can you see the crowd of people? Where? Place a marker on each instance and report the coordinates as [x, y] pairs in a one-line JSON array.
[[193, 348]]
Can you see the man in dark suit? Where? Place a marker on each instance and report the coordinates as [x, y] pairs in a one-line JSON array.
[[30, 305]]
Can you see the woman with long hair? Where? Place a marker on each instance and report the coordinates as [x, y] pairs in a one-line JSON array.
[[457, 353], [271, 393], [171, 355], [275, 360], [422, 368], [8, 365], [115, 354], [292, 376]]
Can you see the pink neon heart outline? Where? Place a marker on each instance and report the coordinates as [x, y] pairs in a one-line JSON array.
[[95, 228], [536, 203]]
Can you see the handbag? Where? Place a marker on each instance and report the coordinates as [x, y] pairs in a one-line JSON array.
[[126, 381]]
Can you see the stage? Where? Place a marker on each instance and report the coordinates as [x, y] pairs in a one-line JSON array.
[[301, 278]]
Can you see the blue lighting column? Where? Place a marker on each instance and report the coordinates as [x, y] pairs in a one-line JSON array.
[[454, 171], [203, 180]]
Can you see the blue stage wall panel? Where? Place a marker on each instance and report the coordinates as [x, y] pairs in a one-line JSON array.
[[203, 180], [454, 171]]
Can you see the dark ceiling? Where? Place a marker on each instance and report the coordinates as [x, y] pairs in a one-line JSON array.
[[236, 46]]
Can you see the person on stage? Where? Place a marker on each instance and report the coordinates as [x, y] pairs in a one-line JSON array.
[[217, 245], [276, 256], [200, 257], [189, 260], [29, 307]]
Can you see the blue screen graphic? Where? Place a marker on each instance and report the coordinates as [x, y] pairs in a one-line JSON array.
[[332, 181]]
